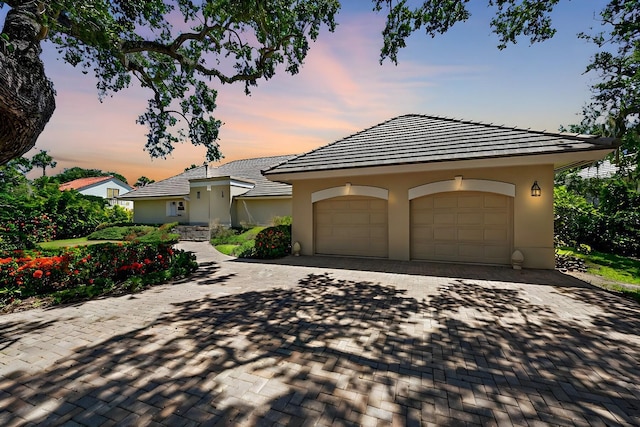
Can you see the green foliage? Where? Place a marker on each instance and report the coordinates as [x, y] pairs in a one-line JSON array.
[[74, 173], [43, 160], [575, 219], [88, 271], [120, 233], [273, 242], [142, 181], [613, 267], [138, 233], [282, 220], [602, 214], [233, 236]]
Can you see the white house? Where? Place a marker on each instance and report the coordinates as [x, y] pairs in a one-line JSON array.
[[107, 187]]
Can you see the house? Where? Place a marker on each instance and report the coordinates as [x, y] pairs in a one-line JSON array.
[[229, 195], [420, 187], [107, 187]]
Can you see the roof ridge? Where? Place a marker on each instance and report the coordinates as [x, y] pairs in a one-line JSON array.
[[517, 128], [299, 156]]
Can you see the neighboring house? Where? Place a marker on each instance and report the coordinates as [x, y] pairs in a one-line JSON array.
[[107, 187], [430, 188], [602, 170], [230, 195]]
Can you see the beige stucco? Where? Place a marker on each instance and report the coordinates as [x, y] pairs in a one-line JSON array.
[[260, 211], [532, 216], [155, 211]]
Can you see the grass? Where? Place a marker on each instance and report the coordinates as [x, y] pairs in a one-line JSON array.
[[144, 234], [226, 249], [608, 266], [79, 241], [615, 270], [233, 241]]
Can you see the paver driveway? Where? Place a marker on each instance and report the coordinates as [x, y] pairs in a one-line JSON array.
[[276, 343]]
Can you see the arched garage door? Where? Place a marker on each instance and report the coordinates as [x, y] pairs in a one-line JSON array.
[[352, 226], [462, 227]]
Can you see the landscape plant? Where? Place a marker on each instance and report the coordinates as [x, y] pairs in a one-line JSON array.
[[73, 271], [273, 242]]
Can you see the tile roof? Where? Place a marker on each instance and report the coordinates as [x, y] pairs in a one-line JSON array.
[[414, 138], [80, 183], [249, 169]]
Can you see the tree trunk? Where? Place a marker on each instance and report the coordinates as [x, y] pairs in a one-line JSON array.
[[26, 95]]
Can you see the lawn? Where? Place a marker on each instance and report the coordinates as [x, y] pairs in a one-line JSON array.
[[235, 242], [80, 241], [615, 270]]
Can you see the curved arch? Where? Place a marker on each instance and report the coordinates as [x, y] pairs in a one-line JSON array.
[[350, 190], [482, 185]]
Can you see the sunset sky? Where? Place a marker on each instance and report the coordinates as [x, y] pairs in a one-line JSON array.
[[340, 90]]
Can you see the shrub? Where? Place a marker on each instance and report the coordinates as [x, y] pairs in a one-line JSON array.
[[273, 242], [76, 270], [281, 220]]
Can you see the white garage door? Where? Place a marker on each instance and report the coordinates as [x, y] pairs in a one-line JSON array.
[[462, 227], [351, 225]]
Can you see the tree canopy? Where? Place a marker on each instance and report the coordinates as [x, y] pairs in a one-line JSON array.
[[182, 51]]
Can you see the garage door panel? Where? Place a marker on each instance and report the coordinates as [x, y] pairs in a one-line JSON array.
[[474, 218], [495, 218], [423, 218], [445, 250], [495, 201], [470, 202], [420, 234], [462, 227], [476, 234], [444, 233], [351, 226], [423, 202], [440, 202], [499, 235], [444, 218]]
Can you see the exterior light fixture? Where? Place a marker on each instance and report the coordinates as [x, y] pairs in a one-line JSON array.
[[348, 188], [535, 189]]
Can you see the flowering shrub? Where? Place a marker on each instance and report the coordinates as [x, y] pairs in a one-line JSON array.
[[26, 232], [28, 273], [273, 242]]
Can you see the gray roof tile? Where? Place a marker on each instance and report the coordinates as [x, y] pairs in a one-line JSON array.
[[422, 139], [249, 169]]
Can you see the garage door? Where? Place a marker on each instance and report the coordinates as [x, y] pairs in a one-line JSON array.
[[462, 227], [352, 225]]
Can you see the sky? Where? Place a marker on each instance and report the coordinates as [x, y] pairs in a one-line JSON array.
[[340, 90]]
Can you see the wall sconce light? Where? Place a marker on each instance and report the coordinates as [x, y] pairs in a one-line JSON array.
[[348, 187], [222, 194], [535, 189]]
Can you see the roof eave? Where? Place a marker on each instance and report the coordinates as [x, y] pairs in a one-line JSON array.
[[558, 160]]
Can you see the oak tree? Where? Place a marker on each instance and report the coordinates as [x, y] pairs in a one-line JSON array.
[[182, 51]]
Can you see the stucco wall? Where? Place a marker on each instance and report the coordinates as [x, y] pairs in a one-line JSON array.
[[155, 212], [260, 211], [532, 223], [199, 207]]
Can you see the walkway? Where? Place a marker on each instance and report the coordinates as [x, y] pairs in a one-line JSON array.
[[329, 341]]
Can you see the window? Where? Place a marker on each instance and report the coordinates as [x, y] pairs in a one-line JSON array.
[[113, 193], [198, 195]]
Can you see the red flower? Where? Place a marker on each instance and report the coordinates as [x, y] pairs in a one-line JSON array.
[[38, 274], [91, 281], [147, 261]]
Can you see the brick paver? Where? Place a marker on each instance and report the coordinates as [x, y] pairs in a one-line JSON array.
[[329, 341]]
